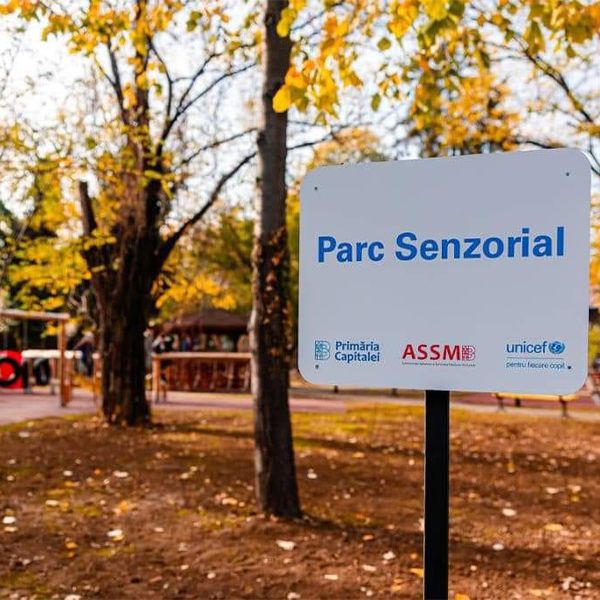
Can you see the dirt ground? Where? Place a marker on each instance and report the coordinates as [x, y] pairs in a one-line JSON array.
[[169, 512]]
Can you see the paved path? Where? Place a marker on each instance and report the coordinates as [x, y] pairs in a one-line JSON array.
[[16, 407]]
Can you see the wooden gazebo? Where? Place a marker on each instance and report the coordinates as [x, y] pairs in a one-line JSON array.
[[208, 364]]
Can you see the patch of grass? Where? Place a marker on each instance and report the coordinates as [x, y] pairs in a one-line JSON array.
[[89, 511], [21, 580]]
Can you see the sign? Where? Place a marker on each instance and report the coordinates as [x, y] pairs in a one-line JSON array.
[[466, 273]]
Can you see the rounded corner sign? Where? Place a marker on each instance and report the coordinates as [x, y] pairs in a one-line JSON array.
[[466, 273]]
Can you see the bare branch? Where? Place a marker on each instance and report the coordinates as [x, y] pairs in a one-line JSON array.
[[595, 163], [115, 81], [595, 159], [555, 75], [170, 86], [183, 106], [94, 255], [199, 72], [536, 143], [316, 16], [171, 242], [88, 218], [332, 135], [215, 144]]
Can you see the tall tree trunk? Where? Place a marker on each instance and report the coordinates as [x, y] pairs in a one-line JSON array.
[[276, 486], [123, 321], [123, 297]]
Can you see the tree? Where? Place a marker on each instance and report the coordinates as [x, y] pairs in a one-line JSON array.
[[138, 160], [443, 58], [271, 340], [455, 105], [276, 486], [45, 270], [220, 276]]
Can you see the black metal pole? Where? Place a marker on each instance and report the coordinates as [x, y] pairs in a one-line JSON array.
[[437, 493]]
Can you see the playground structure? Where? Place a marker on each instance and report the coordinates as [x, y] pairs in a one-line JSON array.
[[186, 371], [58, 358]]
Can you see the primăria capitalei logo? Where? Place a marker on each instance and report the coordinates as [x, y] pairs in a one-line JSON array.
[[322, 350]]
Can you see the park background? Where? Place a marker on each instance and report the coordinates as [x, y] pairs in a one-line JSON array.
[[151, 153]]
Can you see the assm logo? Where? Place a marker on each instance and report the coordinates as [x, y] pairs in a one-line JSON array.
[[439, 352]]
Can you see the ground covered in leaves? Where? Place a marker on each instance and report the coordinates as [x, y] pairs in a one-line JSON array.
[[169, 512]]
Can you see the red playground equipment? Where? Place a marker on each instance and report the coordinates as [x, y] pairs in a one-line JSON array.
[[15, 365]]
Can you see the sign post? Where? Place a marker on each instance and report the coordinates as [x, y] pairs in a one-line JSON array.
[[437, 494], [505, 235]]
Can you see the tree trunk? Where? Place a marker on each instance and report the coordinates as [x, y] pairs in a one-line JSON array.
[[122, 325], [123, 297], [276, 486]]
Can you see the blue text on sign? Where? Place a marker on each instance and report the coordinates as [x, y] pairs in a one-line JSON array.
[[408, 247]]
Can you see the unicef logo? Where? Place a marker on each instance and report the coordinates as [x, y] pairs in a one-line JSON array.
[[556, 347], [322, 350]]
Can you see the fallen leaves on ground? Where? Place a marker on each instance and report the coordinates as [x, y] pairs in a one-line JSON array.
[[169, 512]]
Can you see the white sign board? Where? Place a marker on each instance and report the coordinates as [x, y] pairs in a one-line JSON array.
[[467, 273]]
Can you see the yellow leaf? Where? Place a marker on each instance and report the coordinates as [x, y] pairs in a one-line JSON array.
[[288, 15], [295, 79], [282, 100], [375, 101], [461, 597], [406, 13], [123, 507], [553, 527], [417, 572], [384, 43], [535, 38], [435, 9], [130, 96], [330, 25]]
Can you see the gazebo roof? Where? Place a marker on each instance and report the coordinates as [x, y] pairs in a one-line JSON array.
[[210, 320]]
